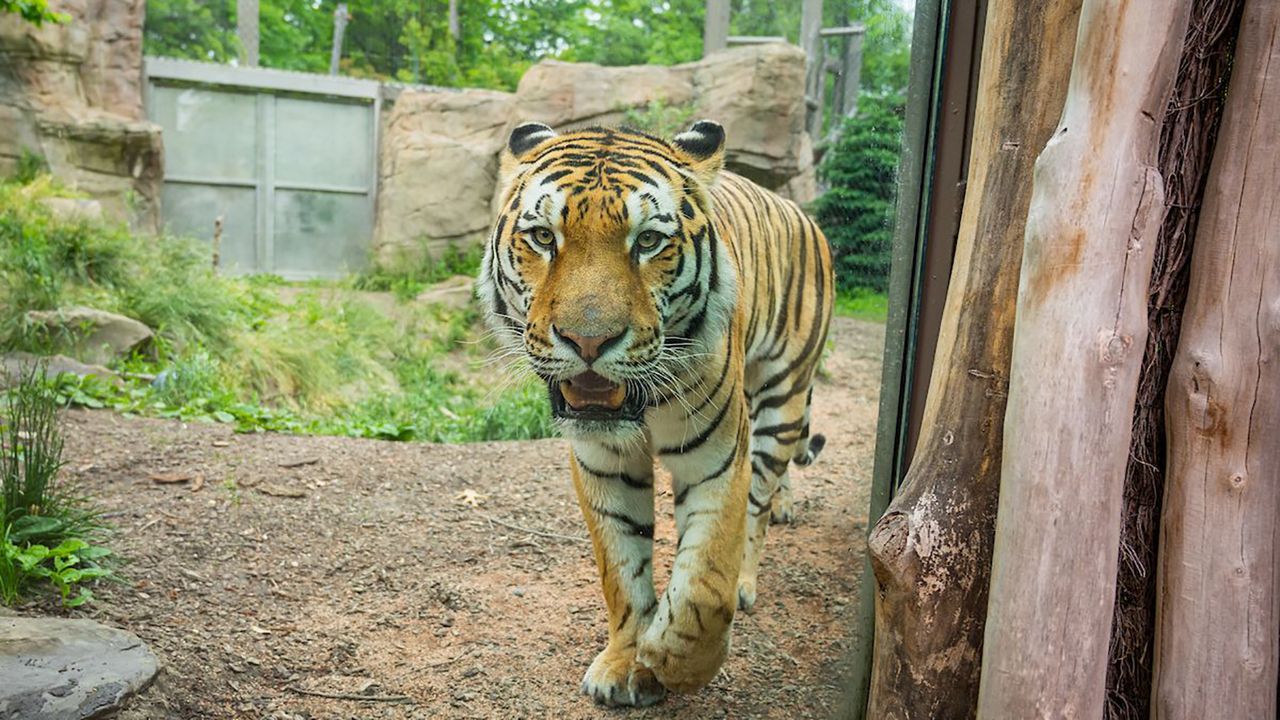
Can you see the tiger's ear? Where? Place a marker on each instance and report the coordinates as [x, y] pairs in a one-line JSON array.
[[701, 147], [524, 139]]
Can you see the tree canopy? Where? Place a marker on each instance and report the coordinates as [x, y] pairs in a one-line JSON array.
[[409, 40]]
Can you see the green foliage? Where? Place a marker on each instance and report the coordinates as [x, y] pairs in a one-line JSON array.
[[31, 165], [409, 40], [659, 118], [258, 352], [192, 29], [411, 272], [165, 282], [886, 48], [637, 32], [36, 12], [856, 212], [45, 528]]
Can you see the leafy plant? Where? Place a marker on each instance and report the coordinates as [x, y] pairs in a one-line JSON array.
[[659, 118], [45, 528], [36, 12]]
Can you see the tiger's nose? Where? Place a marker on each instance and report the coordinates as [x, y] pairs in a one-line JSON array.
[[588, 347]]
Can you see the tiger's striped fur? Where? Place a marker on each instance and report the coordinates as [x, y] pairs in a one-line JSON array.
[[706, 299]]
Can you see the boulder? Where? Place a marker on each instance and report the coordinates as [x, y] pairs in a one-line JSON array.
[[91, 335], [568, 95], [455, 292], [71, 93], [437, 171], [61, 669], [757, 94], [14, 364]]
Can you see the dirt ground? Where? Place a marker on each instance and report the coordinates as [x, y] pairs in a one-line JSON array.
[[315, 577]]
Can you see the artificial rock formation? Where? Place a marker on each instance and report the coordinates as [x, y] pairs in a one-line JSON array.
[[71, 94], [439, 147]]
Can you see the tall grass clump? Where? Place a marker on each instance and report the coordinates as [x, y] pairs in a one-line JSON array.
[[47, 531]]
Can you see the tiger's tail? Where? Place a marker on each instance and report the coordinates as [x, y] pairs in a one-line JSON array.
[[810, 446]]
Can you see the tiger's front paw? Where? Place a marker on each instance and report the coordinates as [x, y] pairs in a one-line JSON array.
[[616, 679], [686, 651]]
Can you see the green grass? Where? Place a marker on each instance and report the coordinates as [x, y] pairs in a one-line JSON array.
[[414, 271], [862, 304], [259, 352], [48, 534]]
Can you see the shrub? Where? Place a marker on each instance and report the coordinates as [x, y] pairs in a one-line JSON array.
[[856, 212]]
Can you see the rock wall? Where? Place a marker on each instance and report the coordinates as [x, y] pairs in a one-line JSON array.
[[71, 93], [439, 148]]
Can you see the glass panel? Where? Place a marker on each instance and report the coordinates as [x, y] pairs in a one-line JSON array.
[[323, 142], [197, 142], [320, 234], [191, 210]]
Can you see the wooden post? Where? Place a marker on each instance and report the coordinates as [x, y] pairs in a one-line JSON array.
[[1218, 605], [931, 551], [340, 19], [1096, 207], [715, 27], [247, 31], [217, 242], [815, 68]]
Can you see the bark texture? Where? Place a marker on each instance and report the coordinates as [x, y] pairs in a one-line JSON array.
[[931, 551], [1218, 608], [1097, 205], [1186, 147]]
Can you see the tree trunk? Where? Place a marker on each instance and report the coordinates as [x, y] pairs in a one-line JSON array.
[[931, 551], [1187, 137], [1096, 208], [1218, 607]]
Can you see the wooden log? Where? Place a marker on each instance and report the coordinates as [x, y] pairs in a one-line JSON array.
[[931, 550], [1096, 207], [1218, 606]]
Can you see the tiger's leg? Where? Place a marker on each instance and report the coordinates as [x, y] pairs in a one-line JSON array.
[[777, 433], [707, 454], [615, 491], [806, 451]]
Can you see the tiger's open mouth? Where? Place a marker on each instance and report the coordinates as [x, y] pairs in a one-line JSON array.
[[590, 396]]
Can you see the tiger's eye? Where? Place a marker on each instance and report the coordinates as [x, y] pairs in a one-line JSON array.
[[649, 239], [543, 237]]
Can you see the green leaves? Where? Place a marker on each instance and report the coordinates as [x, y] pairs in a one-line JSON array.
[[66, 567], [35, 12]]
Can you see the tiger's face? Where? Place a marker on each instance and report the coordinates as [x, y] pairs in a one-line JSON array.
[[603, 267]]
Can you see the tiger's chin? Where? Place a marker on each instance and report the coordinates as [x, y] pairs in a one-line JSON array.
[[589, 405]]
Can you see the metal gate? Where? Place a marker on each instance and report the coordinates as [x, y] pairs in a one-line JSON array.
[[287, 160]]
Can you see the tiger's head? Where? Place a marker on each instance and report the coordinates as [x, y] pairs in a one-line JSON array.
[[603, 267]]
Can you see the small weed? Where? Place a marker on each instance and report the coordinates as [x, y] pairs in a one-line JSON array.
[[660, 118], [47, 532]]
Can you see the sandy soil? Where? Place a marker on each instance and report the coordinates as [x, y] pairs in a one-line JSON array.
[[308, 577]]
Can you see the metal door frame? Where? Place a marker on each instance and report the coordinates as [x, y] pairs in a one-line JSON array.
[[268, 86]]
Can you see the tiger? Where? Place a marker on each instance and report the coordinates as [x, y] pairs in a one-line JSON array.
[[676, 311]]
